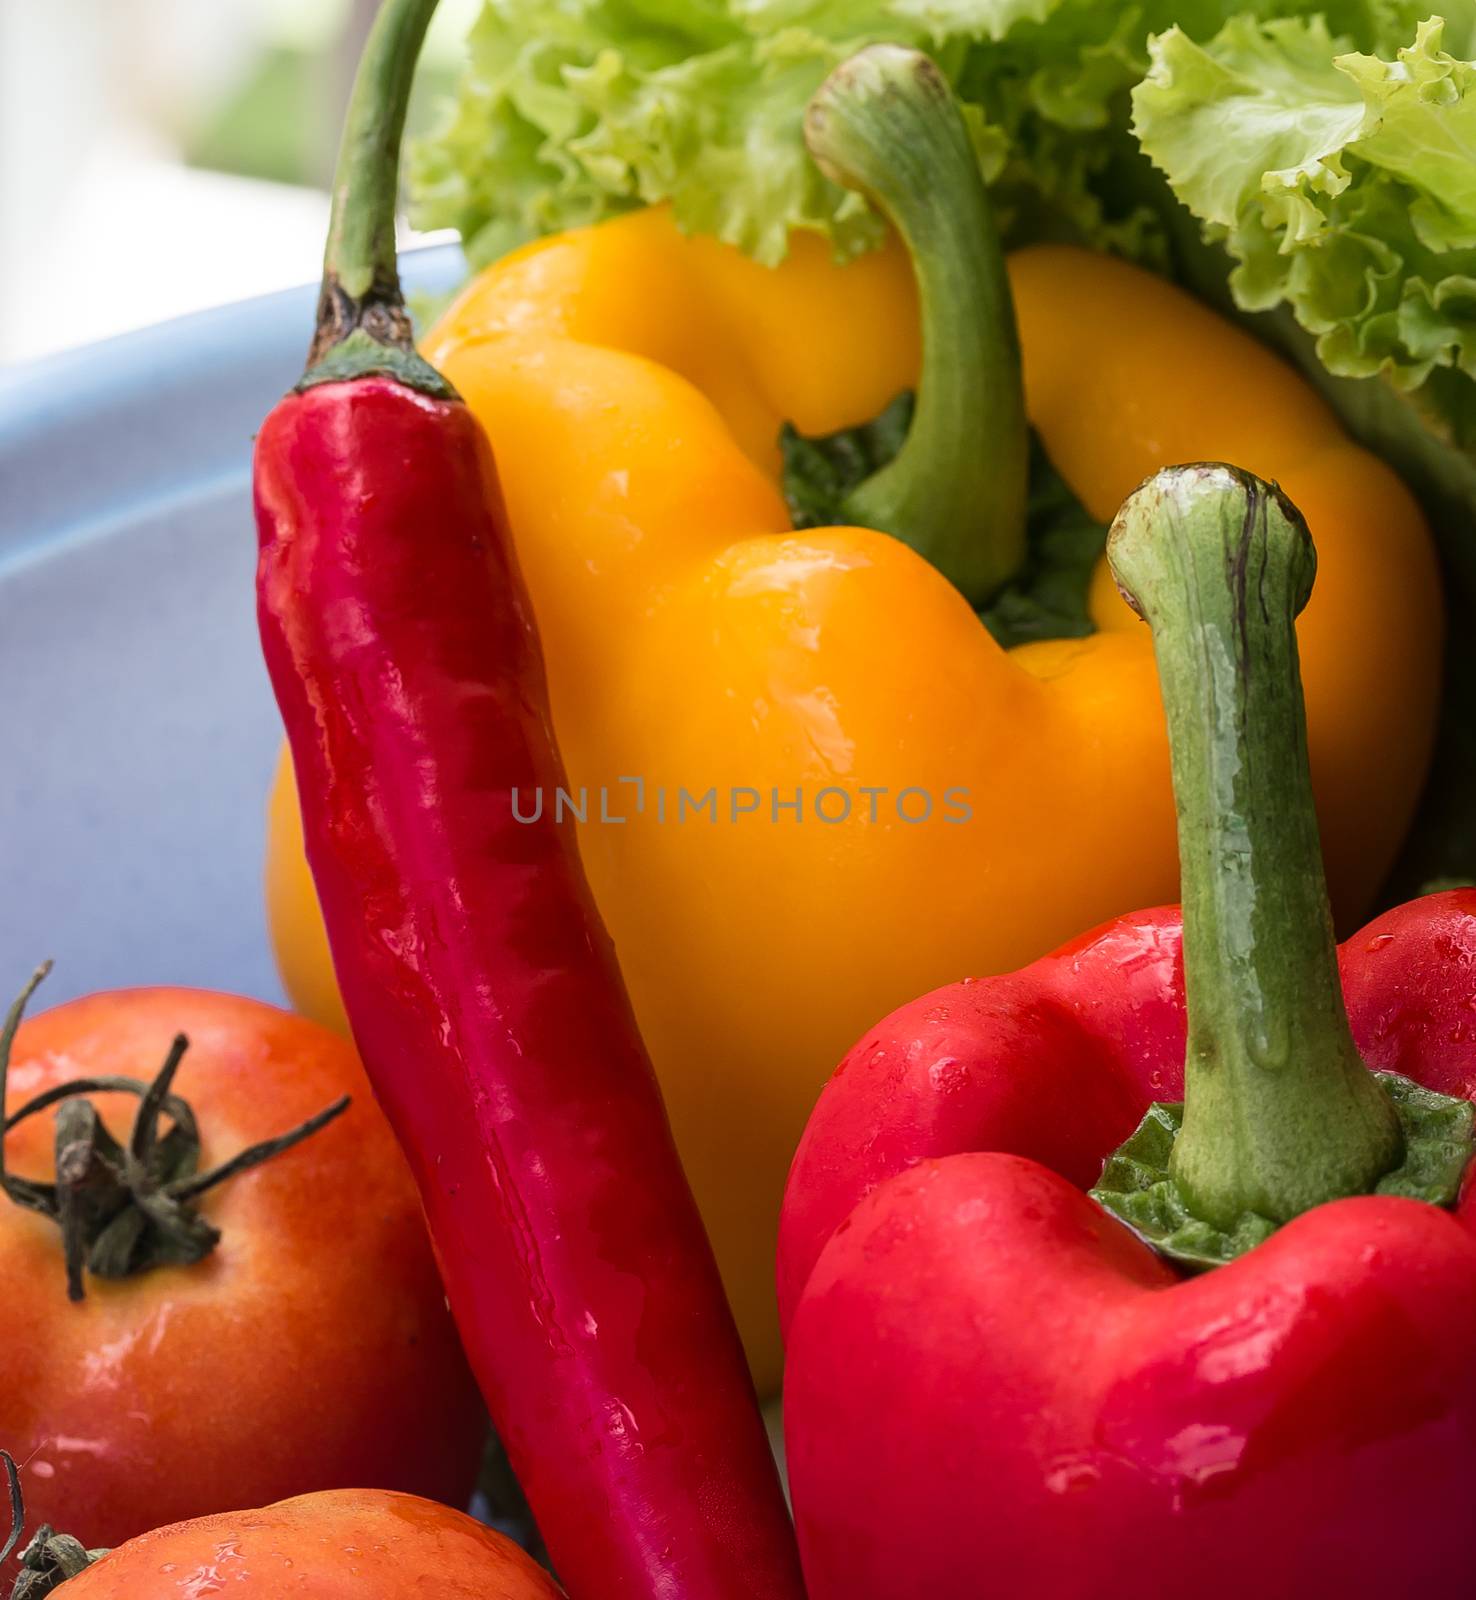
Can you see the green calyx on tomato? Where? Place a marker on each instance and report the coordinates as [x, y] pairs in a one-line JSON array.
[[50, 1558], [124, 1209]]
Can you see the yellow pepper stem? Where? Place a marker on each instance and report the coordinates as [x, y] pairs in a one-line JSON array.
[[886, 123], [1280, 1112]]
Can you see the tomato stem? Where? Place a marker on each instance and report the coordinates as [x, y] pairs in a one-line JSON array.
[[124, 1211], [17, 1507], [50, 1558]]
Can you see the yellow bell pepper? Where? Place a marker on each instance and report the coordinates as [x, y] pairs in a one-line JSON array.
[[634, 382]]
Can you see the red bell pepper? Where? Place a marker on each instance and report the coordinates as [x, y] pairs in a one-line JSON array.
[[482, 989], [994, 1385]]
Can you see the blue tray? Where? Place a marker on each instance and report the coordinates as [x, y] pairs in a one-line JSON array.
[[137, 728]]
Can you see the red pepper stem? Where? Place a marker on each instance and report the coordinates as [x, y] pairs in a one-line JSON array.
[[362, 324], [886, 123], [1280, 1112]]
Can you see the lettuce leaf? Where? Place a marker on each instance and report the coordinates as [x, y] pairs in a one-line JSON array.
[[1337, 183], [570, 110], [1341, 184]]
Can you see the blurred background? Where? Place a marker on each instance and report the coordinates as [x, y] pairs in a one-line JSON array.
[[161, 156]]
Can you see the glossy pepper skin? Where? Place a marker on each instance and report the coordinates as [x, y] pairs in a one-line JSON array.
[[634, 382], [1036, 1396], [481, 986], [488, 1005], [1045, 1398]]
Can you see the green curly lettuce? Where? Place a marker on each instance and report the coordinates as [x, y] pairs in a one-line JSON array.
[[1341, 184], [570, 110]]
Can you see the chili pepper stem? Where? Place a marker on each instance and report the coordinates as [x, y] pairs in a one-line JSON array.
[[886, 123], [362, 324], [1280, 1112]]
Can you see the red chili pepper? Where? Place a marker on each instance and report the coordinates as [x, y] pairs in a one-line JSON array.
[[483, 991], [992, 1379]]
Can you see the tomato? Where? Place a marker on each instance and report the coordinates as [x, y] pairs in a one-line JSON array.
[[311, 1349], [343, 1545]]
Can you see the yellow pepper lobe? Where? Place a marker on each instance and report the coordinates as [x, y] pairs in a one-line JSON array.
[[633, 383]]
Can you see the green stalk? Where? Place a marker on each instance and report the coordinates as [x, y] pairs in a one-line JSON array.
[[50, 1558], [126, 1209], [1280, 1112], [362, 324], [886, 123]]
